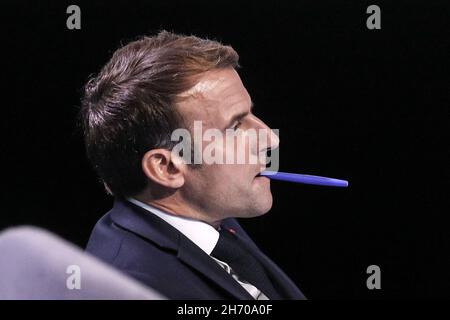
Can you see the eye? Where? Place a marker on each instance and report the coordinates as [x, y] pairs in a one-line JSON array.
[[237, 125]]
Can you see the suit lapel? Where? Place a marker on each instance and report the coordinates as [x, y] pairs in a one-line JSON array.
[[143, 223], [281, 281], [188, 252]]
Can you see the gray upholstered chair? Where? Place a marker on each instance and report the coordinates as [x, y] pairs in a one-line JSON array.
[[35, 264]]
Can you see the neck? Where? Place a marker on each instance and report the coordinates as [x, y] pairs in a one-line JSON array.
[[174, 206]]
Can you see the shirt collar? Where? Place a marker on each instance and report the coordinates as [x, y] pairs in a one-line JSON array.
[[202, 234]]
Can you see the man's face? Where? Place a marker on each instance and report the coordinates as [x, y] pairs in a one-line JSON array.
[[220, 101]]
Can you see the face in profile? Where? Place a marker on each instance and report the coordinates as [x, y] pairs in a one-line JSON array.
[[220, 101]]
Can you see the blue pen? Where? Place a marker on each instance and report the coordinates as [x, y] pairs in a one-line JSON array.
[[304, 178]]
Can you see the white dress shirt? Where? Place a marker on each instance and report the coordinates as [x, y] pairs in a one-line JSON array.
[[204, 236]]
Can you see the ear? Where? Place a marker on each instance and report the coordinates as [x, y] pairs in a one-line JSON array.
[[161, 167]]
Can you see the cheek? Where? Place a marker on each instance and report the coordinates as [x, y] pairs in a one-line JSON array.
[[221, 181], [211, 178]]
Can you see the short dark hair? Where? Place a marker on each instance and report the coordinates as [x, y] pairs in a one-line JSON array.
[[129, 108]]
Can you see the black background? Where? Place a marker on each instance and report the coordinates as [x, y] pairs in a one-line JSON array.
[[370, 106]]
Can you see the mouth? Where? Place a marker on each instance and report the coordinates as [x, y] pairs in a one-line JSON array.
[[260, 177], [259, 173]]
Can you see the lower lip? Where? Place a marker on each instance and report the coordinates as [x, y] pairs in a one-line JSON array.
[[262, 178]]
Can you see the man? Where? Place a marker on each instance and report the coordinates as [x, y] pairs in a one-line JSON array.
[[173, 222]]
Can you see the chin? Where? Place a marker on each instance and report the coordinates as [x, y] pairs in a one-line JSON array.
[[266, 204], [262, 206]]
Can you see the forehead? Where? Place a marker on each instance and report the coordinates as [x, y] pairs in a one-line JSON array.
[[216, 96]]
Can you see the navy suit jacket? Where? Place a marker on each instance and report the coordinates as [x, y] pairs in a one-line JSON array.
[[149, 249]]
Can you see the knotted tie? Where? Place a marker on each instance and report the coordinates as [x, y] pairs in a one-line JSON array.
[[229, 249]]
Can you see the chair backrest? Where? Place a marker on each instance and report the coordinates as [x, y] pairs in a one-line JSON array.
[[35, 264]]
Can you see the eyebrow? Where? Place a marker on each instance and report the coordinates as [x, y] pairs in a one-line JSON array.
[[240, 115]]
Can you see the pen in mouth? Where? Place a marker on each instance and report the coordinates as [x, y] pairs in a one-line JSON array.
[[304, 179]]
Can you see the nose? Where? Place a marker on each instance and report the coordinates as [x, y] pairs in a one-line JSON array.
[[269, 140]]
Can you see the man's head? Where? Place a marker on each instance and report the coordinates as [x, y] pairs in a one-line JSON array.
[[154, 86]]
